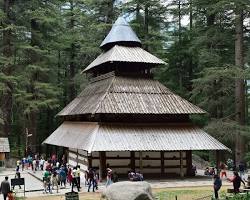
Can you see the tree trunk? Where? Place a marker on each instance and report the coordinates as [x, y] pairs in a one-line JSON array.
[[72, 65], [190, 68], [6, 99], [35, 41], [110, 11], [179, 38], [239, 87], [146, 32]]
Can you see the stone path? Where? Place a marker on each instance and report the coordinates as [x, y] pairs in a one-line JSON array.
[[34, 183]]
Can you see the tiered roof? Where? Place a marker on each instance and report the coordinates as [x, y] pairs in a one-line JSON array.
[[126, 55], [121, 33], [92, 137], [135, 93], [128, 95]]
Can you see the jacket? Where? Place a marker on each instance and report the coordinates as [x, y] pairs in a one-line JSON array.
[[5, 187]]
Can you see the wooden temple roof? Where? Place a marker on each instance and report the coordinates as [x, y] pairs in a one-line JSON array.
[[128, 95], [125, 54], [121, 33], [4, 145], [93, 136]]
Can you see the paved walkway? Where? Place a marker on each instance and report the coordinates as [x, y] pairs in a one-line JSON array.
[[34, 185]]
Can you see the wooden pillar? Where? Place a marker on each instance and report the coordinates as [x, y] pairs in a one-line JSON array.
[[140, 161], [77, 157], [162, 163], [181, 165], [102, 156], [189, 162], [132, 160], [217, 155], [90, 160]]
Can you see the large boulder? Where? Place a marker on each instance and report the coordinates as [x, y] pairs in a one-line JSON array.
[[127, 190]]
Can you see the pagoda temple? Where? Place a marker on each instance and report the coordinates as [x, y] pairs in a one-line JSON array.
[[126, 120]]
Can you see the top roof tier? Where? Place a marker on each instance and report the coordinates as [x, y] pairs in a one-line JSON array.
[[121, 33]]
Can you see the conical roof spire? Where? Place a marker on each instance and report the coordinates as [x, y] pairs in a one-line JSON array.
[[121, 33]]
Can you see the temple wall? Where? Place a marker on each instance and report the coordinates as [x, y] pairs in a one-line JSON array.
[[121, 161], [81, 158]]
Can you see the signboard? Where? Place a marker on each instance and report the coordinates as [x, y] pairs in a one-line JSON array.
[[17, 181]]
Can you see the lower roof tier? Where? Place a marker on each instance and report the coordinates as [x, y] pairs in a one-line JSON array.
[[93, 137], [128, 95]]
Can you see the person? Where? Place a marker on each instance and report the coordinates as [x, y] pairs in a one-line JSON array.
[[42, 161], [109, 177], [91, 179], [223, 170], [193, 170], [23, 163], [96, 179], [78, 175], [212, 171], [54, 180], [17, 175], [236, 180], [46, 181], [217, 185], [5, 187], [86, 177], [69, 176], [62, 175], [74, 180], [242, 170], [18, 162], [34, 165]]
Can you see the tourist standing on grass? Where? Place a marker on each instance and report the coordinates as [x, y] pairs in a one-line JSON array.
[[236, 180], [217, 185], [5, 187]]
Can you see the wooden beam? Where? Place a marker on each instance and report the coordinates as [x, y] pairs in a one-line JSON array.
[[162, 163], [181, 165], [132, 160], [77, 155], [140, 161], [102, 155], [217, 162], [90, 161], [189, 162]]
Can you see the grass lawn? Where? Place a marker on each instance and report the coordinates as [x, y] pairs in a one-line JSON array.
[[186, 193]]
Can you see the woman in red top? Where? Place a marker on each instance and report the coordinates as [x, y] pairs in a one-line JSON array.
[[69, 176]]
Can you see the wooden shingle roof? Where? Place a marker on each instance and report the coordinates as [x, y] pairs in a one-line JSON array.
[[120, 33], [92, 137], [128, 95], [4, 145], [125, 54]]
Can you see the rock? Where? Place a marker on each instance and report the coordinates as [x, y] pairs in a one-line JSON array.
[[127, 190]]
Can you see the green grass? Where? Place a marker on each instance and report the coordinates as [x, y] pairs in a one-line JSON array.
[[184, 194]]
